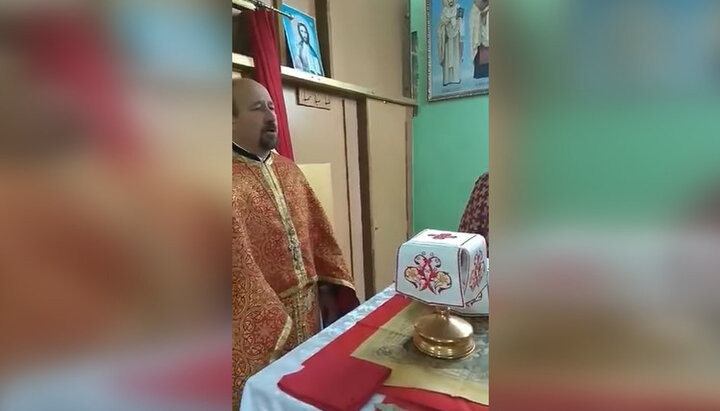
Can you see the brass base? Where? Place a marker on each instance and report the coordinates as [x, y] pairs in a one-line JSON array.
[[442, 335]]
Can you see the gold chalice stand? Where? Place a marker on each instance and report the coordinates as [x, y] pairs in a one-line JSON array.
[[441, 334], [434, 268]]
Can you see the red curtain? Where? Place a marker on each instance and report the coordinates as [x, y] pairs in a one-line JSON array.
[[267, 71]]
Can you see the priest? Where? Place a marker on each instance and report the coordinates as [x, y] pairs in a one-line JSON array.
[[289, 276]]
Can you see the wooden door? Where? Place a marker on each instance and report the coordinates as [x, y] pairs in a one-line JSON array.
[[388, 186]]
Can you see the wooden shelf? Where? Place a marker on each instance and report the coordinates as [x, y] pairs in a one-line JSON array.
[[242, 62]]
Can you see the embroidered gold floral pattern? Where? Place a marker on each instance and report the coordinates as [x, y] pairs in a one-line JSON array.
[[281, 242]]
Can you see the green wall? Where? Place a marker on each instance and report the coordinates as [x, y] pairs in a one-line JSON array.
[[450, 146]]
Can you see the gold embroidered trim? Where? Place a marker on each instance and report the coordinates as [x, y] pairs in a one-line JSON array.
[[298, 293], [299, 315], [268, 161], [297, 288], [293, 241], [299, 305], [284, 335]]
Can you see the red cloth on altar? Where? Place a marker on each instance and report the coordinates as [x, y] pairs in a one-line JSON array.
[[334, 360], [347, 342], [343, 346], [329, 386]]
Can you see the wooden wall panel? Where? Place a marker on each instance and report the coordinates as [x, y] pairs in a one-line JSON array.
[[366, 43], [355, 201], [387, 166]]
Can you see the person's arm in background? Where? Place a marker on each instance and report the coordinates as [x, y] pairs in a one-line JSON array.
[[476, 217]]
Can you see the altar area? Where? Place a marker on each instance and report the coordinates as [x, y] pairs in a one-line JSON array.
[[368, 355]]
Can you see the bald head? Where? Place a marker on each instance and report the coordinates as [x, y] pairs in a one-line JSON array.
[[254, 121]]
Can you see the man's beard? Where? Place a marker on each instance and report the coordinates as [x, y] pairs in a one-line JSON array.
[[268, 141]]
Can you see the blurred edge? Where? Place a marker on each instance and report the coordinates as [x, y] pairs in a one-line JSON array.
[[605, 204], [115, 181]]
